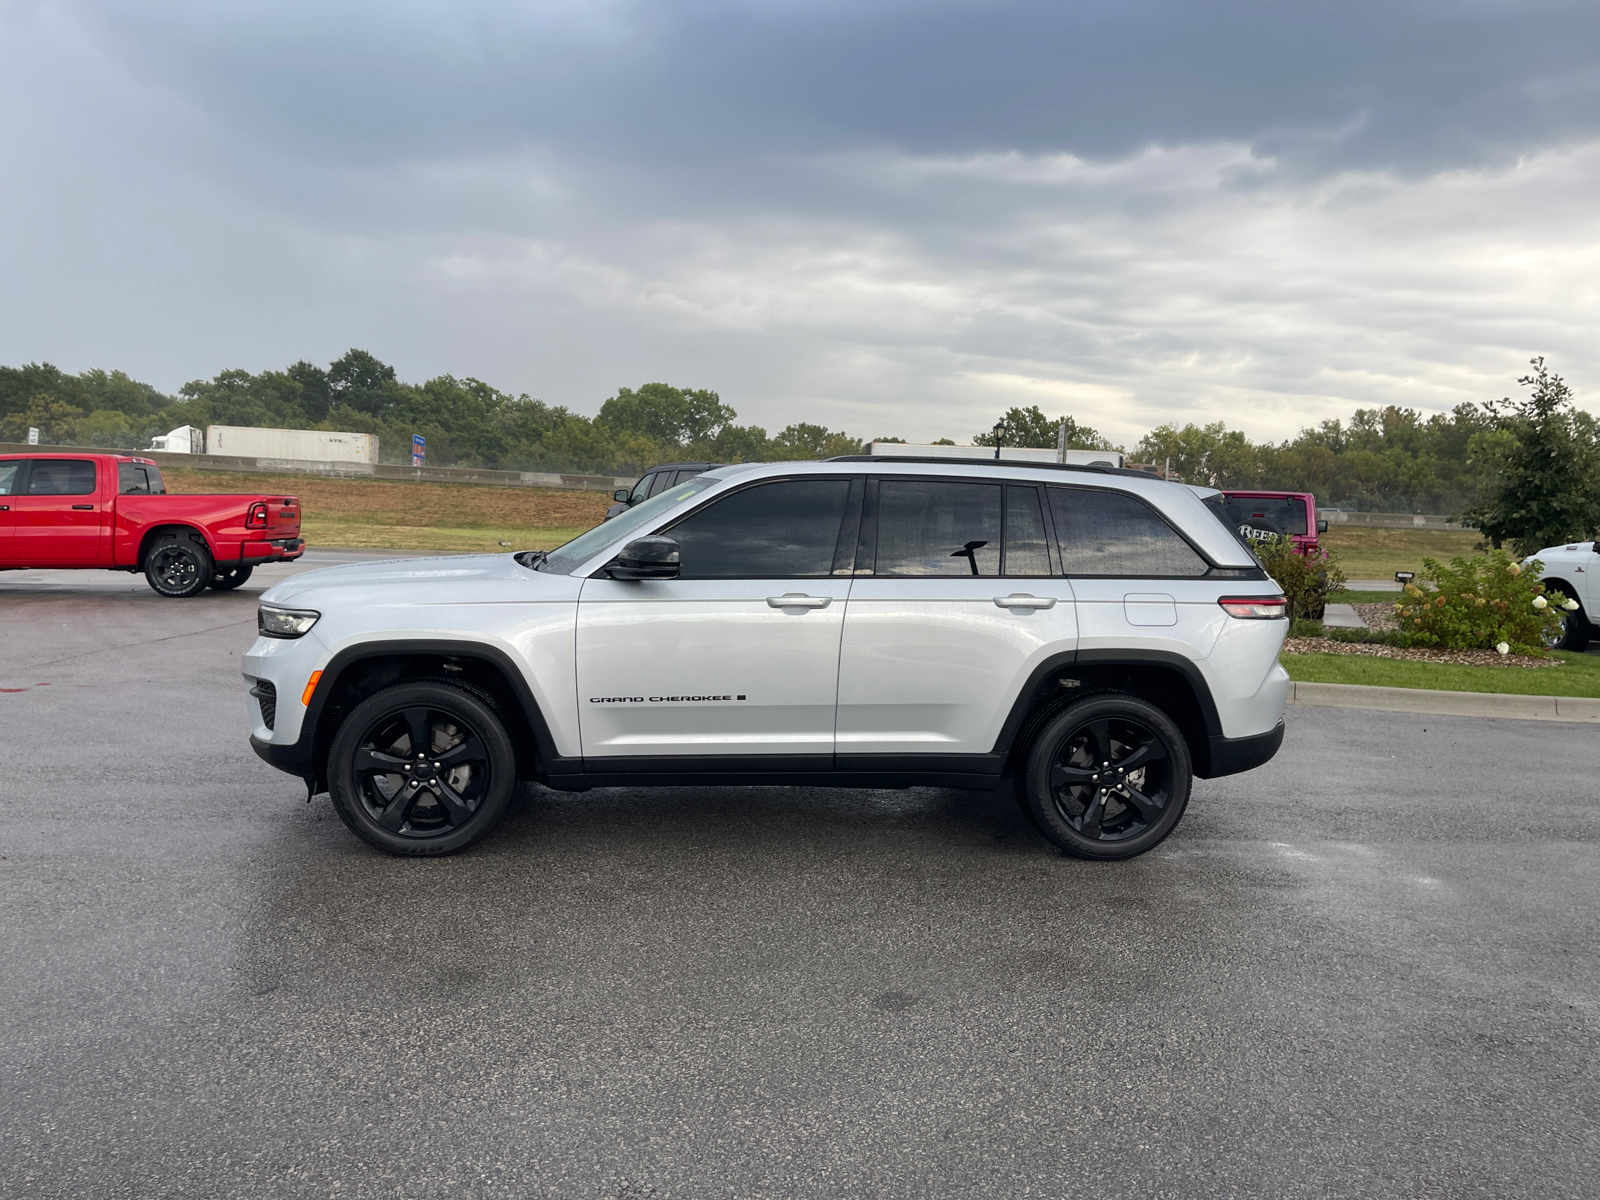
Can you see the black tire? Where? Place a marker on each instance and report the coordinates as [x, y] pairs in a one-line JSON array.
[[1064, 789], [416, 808], [1576, 632], [178, 565], [225, 579]]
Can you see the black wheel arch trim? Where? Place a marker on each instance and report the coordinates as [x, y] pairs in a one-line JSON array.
[[307, 756]]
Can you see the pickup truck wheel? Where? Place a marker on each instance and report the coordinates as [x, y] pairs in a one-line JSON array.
[[1107, 777], [421, 769], [1575, 632], [178, 565], [225, 579]]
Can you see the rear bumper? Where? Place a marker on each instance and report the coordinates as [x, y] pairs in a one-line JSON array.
[[276, 550], [1230, 756]]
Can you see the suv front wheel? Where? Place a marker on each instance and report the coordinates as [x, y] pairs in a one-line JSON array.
[[1107, 777], [422, 769]]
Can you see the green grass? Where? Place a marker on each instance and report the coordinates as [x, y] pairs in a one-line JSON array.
[[1580, 676], [1367, 552]]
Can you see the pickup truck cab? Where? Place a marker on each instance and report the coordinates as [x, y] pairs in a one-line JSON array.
[[1095, 635], [112, 512]]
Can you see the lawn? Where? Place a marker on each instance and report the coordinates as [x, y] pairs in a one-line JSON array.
[[394, 515], [1369, 553], [1579, 677]]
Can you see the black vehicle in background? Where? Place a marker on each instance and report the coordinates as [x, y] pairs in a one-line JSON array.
[[655, 481]]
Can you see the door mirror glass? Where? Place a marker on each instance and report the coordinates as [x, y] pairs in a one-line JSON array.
[[646, 558], [620, 495], [1322, 525]]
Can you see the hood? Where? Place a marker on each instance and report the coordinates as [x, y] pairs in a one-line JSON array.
[[415, 575]]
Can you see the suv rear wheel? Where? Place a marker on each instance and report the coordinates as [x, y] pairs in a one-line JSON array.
[[422, 769], [1107, 777]]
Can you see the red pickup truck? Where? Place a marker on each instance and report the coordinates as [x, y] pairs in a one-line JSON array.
[[1262, 515], [112, 512]]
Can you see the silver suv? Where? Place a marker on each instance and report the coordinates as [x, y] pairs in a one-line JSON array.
[[1095, 637]]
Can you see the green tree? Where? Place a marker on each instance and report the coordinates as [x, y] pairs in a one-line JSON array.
[[1544, 481], [806, 441], [680, 416], [57, 422], [1030, 427]]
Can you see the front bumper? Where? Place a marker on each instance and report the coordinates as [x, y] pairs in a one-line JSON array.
[[293, 759]]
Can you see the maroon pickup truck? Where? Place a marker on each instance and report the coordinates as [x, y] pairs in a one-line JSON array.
[[112, 512]]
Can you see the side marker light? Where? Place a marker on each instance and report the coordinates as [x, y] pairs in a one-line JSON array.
[[311, 686]]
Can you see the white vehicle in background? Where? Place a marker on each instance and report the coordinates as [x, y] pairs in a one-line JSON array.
[[1572, 570], [185, 439], [1095, 636]]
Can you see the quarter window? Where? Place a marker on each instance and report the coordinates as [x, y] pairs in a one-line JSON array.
[[781, 530], [61, 477], [938, 527], [1113, 533]]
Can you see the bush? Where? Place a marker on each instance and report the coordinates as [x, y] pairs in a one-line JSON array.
[[1306, 579], [1479, 603]]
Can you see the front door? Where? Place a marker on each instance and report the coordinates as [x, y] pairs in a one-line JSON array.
[[737, 656], [59, 520], [954, 607], [11, 472]]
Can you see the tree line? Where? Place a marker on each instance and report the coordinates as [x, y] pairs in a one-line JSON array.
[[1382, 459]]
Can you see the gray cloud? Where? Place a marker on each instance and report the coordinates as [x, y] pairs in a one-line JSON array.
[[895, 218]]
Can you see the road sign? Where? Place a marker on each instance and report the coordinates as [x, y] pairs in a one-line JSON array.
[[419, 450], [33, 436]]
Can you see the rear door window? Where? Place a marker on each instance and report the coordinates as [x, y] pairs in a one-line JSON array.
[[786, 529], [938, 527], [1113, 533], [133, 480], [61, 477], [1026, 548]]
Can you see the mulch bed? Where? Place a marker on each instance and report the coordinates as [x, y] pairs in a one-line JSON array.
[[1463, 658], [1377, 616]]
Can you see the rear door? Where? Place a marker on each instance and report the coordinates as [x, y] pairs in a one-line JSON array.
[[12, 473], [955, 603], [61, 520], [740, 655]]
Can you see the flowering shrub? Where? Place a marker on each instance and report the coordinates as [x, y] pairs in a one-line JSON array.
[[1306, 579], [1483, 603]]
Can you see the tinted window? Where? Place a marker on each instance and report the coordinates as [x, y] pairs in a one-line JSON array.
[[928, 527], [1270, 514], [61, 477], [770, 531], [658, 483], [1111, 533], [568, 557], [8, 477], [132, 480], [1026, 551]]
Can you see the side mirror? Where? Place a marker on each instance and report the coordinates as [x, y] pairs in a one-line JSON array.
[[646, 558], [621, 495], [1322, 525]]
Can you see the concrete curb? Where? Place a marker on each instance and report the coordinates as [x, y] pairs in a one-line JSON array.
[[1452, 704]]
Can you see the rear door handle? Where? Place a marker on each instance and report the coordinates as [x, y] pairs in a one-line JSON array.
[[84, 507], [798, 600], [1022, 600]]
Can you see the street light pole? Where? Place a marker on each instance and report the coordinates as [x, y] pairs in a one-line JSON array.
[[999, 436]]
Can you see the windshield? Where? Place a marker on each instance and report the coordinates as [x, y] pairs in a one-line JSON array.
[[563, 560]]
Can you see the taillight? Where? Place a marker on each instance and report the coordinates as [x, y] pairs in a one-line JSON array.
[[256, 518], [1255, 608]]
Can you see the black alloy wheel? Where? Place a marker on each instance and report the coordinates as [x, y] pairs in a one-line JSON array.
[[422, 769], [1107, 777], [225, 579], [178, 565]]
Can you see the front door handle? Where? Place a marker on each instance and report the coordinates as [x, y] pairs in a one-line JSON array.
[[798, 600], [7, 508], [1022, 600], [84, 507]]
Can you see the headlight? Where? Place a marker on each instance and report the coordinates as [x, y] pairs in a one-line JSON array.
[[285, 622]]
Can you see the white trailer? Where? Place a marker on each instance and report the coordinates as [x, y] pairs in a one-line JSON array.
[[304, 445], [1078, 458]]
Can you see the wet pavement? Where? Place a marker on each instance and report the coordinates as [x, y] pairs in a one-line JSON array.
[[1367, 969]]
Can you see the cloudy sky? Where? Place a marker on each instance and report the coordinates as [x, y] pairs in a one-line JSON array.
[[891, 217]]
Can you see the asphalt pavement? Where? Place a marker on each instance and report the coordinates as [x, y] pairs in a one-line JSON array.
[[1366, 969]]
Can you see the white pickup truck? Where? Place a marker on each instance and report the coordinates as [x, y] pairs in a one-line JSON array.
[[1572, 570]]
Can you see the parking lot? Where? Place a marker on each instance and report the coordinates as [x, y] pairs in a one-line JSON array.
[[1367, 969]]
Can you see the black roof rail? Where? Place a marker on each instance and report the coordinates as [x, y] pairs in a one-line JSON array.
[[992, 462]]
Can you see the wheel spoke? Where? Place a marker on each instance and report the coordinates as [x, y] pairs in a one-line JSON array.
[[455, 808], [469, 751], [1098, 734], [398, 809], [1063, 776], [375, 760], [1151, 752], [1147, 808], [420, 729], [1092, 814]]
